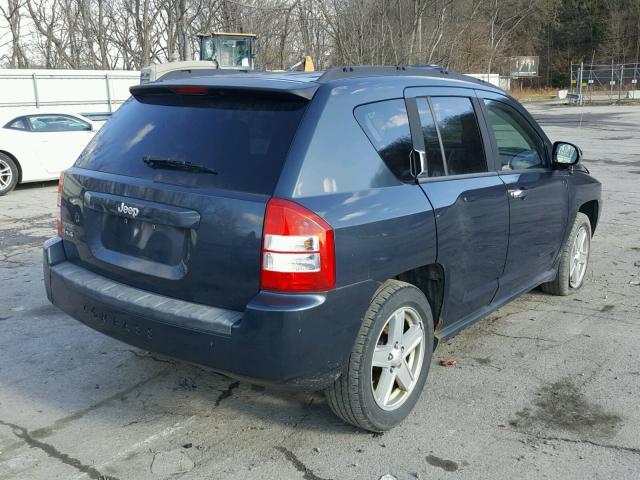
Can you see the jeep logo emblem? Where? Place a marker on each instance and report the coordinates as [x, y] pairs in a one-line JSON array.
[[133, 211]]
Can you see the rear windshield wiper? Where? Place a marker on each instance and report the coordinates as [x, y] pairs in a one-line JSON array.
[[177, 165]]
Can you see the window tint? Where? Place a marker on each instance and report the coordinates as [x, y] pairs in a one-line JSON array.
[[17, 124], [435, 165], [518, 144], [461, 139], [244, 139], [56, 123], [386, 124]]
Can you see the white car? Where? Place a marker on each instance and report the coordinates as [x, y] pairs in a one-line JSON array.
[[38, 146]]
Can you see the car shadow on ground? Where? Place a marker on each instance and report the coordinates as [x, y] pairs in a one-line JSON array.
[[33, 185]]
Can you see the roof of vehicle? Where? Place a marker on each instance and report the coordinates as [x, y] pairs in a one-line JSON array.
[[305, 84]]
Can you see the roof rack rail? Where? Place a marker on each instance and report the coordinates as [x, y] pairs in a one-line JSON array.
[[351, 71]]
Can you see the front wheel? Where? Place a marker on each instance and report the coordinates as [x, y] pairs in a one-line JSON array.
[[574, 259], [389, 362]]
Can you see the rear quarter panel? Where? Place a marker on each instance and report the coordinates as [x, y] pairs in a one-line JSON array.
[[382, 226]]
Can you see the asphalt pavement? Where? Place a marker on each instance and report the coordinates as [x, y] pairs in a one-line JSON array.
[[546, 387]]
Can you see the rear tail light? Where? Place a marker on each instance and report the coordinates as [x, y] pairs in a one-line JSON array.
[[298, 253], [59, 219], [191, 90]]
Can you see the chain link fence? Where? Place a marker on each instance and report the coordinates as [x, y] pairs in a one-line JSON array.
[[614, 82]]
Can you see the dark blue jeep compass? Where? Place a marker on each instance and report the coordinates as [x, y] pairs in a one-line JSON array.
[[318, 231]]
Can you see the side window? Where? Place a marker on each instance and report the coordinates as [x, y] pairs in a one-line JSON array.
[[386, 124], [461, 138], [57, 123], [435, 163], [519, 146], [17, 124]]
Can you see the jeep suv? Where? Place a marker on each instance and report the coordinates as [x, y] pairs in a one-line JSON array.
[[317, 231]]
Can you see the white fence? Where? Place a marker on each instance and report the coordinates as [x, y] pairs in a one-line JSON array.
[[493, 78], [90, 91]]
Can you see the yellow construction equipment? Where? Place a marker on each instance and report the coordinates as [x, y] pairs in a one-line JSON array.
[[218, 50]]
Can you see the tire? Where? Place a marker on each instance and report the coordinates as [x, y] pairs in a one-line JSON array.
[[8, 174], [352, 396], [565, 283]]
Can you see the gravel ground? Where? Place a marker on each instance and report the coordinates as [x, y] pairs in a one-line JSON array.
[[546, 387]]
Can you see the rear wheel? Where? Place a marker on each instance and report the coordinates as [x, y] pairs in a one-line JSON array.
[[8, 174], [574, 259], [389, 361]]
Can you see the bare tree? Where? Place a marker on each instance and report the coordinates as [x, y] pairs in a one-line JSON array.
[[465, 35], [12, 15]]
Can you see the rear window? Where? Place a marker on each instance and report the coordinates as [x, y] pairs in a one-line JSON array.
[[244, 139], [17, 124], [386, 124]]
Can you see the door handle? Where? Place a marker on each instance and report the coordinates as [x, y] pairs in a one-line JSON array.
[[419, 164], [517, 193]]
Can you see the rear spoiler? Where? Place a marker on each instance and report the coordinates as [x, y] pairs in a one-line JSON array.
[[218, 85]]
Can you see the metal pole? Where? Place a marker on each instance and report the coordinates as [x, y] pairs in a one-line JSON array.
[[580, 101], [621, 79], [611, 82], [35, 91], [106, 79], [620, 83]]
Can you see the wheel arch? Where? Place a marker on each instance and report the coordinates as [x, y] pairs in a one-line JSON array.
[[430, 280], [592, 210], [16, 161]]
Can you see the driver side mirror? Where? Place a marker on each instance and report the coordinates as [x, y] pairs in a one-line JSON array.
[[566, 153]]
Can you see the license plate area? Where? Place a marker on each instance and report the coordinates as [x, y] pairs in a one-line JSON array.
[[154, 242], [138, 235]]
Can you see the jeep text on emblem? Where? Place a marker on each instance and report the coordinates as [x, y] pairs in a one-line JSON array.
[[133, 211]]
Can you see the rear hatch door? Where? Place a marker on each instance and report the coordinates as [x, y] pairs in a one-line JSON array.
[[170, 195]]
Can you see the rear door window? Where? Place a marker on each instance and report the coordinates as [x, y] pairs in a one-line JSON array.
[[435, 163], [386, 124], [460, 133], [244, 139]]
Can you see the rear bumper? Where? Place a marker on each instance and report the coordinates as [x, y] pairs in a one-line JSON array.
[[294, 341]]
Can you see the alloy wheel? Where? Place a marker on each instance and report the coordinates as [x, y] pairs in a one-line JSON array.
[[397, 358], [579, 257]]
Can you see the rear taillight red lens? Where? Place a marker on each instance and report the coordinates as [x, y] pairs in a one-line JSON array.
[[59, 219], [298, 253]]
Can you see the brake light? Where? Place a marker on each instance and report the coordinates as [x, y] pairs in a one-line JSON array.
[[298, 253], [191, 90], [59, 203]]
